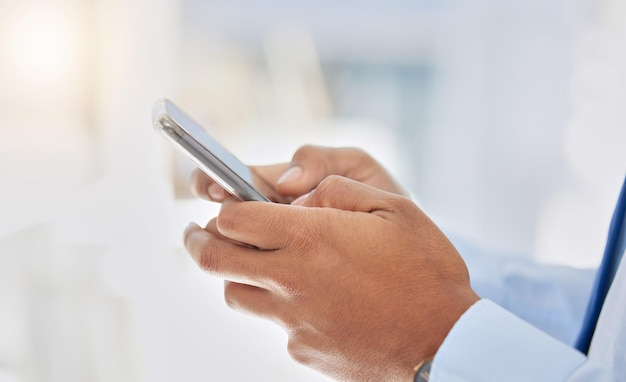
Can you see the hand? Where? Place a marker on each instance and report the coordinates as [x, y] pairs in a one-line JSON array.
[[310, 164], [365, 285]]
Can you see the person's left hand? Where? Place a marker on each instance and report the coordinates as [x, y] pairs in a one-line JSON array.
[[365, 285], [284, 182]]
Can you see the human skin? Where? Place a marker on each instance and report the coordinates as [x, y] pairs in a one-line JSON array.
[[362, 281], [308, 167]]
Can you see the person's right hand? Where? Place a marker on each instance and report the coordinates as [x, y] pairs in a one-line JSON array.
[[363, 282], [309, 166]]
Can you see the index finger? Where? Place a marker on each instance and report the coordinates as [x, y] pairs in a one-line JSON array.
[[264, 225], [277, 226]]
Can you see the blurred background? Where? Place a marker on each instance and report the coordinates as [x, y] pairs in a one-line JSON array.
[[505, 120]]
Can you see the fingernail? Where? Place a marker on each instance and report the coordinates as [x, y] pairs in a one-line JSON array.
[[216, 192], [291, 175]]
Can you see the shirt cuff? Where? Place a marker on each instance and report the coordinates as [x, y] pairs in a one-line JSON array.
[[489, 343]]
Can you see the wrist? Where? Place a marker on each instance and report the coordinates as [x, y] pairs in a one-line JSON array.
[[434, 334]]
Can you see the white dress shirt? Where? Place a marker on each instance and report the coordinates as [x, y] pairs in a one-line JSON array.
[[550, 297], [489, 343]]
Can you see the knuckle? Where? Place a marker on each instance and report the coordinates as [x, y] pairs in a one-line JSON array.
[[285, 281], [327, 187], [225, 222], [362, 157], [359, 153], [329, 183], [288, 285], [297, 351], [405, 208], [404, 204], [306, 151], [288, 323]]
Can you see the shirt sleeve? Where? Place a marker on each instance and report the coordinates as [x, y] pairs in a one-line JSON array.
[[489, 343], [552, 298]]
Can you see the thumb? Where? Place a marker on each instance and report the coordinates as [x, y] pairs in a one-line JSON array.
[[308, 167], [346, 194], [311, 164]]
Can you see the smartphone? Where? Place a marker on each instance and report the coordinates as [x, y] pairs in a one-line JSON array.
[[217, 162]]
